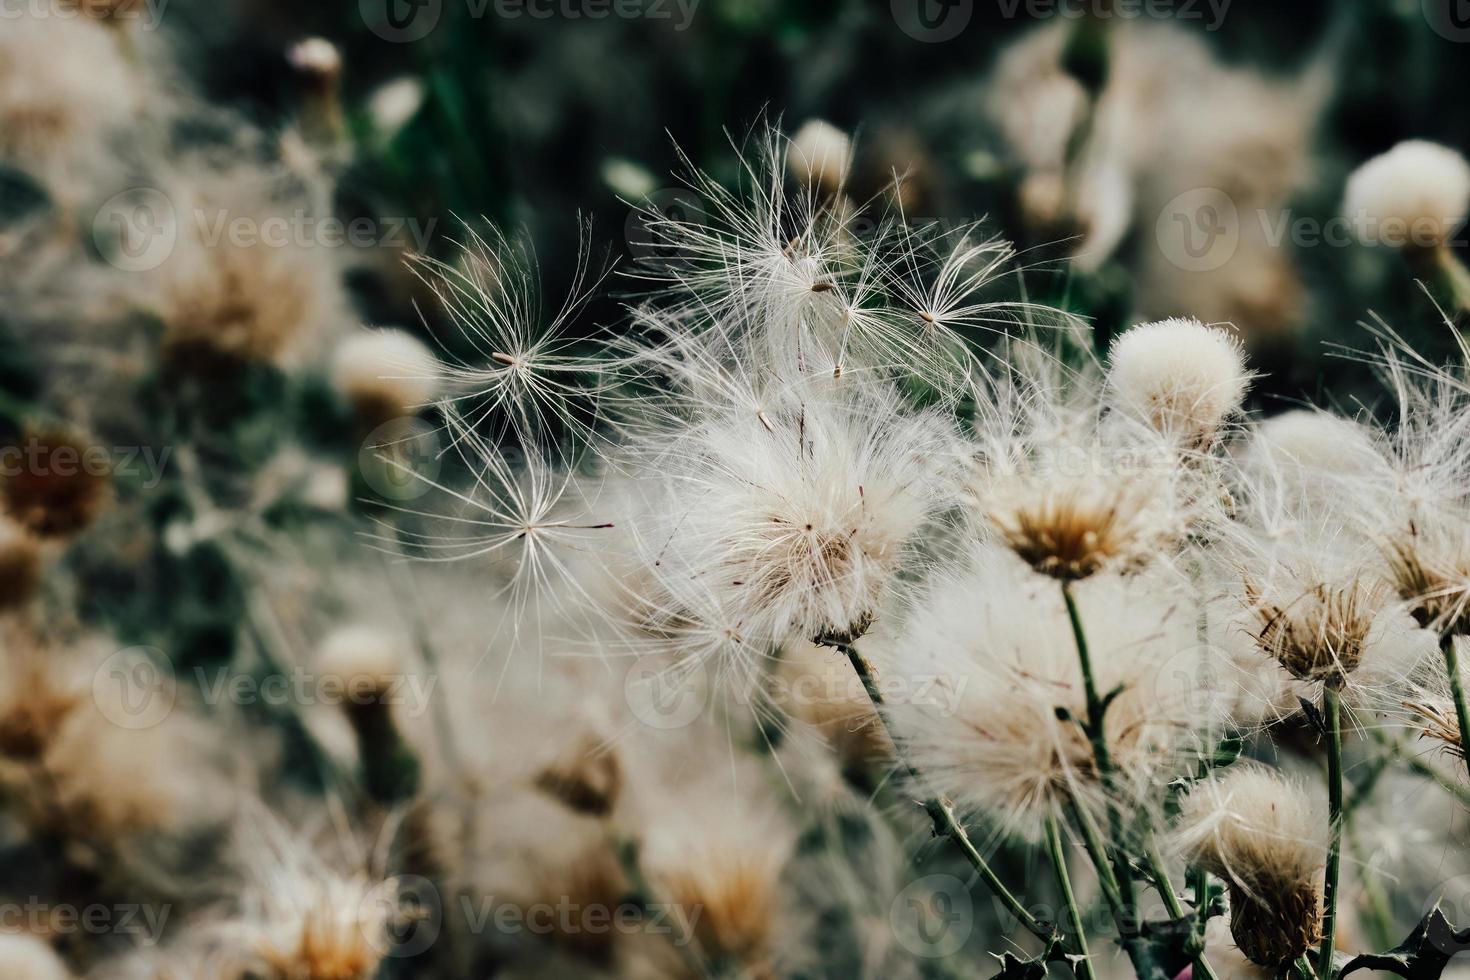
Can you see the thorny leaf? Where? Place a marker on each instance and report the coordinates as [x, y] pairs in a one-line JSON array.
[[1422, 956], [1013, 967], [1172, 943]]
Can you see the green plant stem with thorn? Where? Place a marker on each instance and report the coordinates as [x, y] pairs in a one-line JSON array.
[[1125, 911], [1457, 689], [1332, 720], [1064, 881], [941, 812]]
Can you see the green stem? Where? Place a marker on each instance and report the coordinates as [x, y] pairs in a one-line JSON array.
[[1457, 690], [1165, 888], [1199, 882], [1064, 881], [1093, 843], [1096, 711], [941, 811], [1122, 911], [1304, 967], [1332, 714], [1421, 768]]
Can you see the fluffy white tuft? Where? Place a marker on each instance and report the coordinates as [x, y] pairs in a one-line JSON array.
[[1415, 195], [362, 654], [26, 957], [820, 154], [1182, 376], [389, 372], [993, 649]]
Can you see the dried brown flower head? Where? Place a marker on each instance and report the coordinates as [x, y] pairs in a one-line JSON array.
[[1277, 925], [1437, 722], [1319, 636], [55, 484], [586, 780], [1432, 574], [20, 564], [1071, 533]]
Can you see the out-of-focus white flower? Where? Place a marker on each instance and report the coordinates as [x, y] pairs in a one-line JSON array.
[[392, 105], [385, 373], [1415, 195], [64, 86], [820, 154], [27, 957]]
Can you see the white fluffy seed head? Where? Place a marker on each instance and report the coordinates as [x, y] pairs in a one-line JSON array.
[[1413, 196], [1266, 837], [385, 373], [363, 655], [992, 653], [392, 105], [820, 154], [1312, 445], [790, 521], [316, 56], [1183, 377], [26, 957]]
